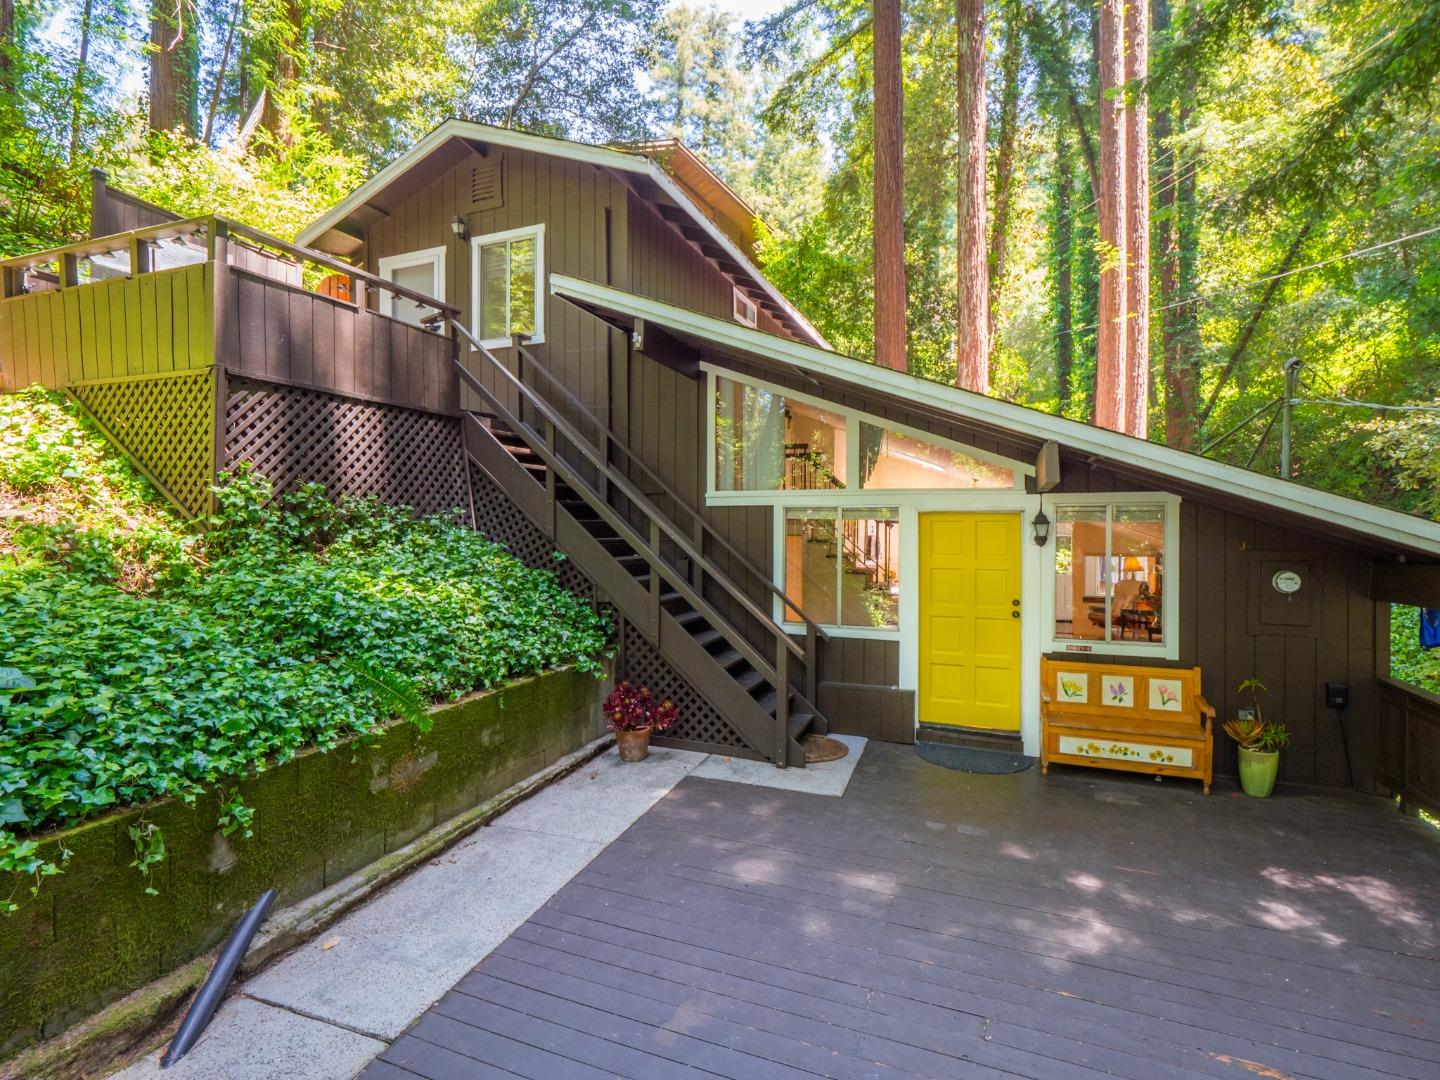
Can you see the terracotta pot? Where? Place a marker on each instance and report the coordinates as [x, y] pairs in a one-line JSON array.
[[634, 745]]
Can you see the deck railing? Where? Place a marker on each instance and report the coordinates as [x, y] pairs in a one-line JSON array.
[[203, 291], [1408, 761]]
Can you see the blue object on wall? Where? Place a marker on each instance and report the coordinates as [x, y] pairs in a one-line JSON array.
[[1430, 628]]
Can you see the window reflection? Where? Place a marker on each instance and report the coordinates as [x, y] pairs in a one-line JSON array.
[[843, 566], [892, 460], [765, 441], [1109, 573]]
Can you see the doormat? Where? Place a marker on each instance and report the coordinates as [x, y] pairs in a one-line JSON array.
[[820, 749], [972, 759]]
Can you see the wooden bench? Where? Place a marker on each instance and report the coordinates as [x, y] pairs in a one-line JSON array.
[[1118, 716]]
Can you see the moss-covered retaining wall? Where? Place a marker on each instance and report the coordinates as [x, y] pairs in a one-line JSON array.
[[93, 934]]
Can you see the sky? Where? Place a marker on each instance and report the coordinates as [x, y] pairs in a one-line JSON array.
[[751, 9]]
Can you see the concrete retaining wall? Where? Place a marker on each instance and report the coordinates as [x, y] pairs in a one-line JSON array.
[[93, 935]]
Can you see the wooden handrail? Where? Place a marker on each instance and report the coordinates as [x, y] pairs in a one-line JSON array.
[[214, 225], [612, 440], [618, 480]]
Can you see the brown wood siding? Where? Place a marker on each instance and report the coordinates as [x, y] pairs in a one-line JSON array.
[[283, 334], [570, 199], [1218, 546], [149, 324], [664, 266], [113, 211]]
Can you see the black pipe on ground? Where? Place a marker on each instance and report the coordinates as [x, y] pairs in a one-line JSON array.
[[197, 1017]]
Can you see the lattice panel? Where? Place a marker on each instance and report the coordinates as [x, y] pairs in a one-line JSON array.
[[698, 722], [165, 426], [498, 518], [400, 456]]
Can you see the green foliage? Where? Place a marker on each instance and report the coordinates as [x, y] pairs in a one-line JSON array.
[[296, 622], [1408, 661]]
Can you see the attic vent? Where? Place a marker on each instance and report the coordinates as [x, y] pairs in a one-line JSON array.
[[485, 191]]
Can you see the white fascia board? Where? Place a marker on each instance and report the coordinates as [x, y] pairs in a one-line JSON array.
[[1361, 517], [573, 151], [465, 129]]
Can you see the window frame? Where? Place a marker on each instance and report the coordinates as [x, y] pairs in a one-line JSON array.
[[852, 490], [791, 626], [745, 310], [508, 236], [1166, 649], [435, 256]]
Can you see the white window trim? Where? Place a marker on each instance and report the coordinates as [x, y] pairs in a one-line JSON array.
[[1169, 649], [745, 310], [883, 633], [435, 256], [850, 494], [541, 292]]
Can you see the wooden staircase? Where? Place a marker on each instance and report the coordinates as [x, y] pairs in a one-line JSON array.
[[656, 573]]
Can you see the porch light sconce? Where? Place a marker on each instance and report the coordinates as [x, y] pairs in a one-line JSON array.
[[1041, 525], [457, 226]]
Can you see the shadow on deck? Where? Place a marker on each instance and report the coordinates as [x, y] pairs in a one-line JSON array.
[[933, 923]]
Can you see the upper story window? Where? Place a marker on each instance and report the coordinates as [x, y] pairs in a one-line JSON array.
[[746, 310], [420, 271], [508, 285], [1113, 574], [768, 439], [765, 441]]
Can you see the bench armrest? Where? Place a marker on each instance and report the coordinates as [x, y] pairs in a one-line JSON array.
[[1045, 696], [1206, 709]]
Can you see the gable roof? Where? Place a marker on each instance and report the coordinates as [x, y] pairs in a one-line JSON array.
[[677, 202], [1375, 525]]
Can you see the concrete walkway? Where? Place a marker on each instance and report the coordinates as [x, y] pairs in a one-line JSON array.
[[327, 1009]]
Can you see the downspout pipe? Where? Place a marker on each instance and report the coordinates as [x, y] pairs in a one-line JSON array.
[[197, 1018]]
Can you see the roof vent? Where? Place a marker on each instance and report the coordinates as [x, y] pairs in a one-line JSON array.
[[485, 188]]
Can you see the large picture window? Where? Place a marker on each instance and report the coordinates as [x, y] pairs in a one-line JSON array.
[[893, 460], [842, 566], [765, 441], [1111, 574], [508, 290]]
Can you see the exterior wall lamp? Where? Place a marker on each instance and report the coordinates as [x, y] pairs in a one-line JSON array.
[[457, 226], [1041, 526]]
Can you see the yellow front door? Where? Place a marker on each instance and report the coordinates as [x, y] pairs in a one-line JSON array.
[[970, 620]]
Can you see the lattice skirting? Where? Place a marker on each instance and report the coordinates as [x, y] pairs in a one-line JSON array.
[[500, 520], [164, 424], [404, 457], [642, 664]]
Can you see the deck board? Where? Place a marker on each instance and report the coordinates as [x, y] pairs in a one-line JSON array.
[[940, 924]]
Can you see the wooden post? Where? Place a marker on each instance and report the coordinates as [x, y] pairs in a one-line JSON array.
[[655, 582], [812, 664], [782, 701], [219, 251], [69, 270], [550, 478]]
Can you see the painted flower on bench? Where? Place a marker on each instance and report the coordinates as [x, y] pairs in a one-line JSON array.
[[1166, 695], [1072, 689], [1120, 691]]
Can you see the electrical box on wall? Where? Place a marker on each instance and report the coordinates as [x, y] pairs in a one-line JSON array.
[[1286, 593], [1337, 695]]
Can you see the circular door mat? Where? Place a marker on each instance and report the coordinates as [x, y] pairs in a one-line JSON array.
[[973, 759], [819, 748]]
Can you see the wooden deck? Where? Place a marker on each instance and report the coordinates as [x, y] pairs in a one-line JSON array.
[[940, 924]]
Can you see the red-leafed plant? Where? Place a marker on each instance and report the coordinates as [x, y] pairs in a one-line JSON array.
[[634, 708]]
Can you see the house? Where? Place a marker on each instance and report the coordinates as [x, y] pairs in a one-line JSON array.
[[791, 539]]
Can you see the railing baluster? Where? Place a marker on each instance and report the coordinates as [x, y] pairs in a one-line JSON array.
[[782, 705]]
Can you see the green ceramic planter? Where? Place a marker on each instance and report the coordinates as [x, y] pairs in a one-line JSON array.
[[1258, 769]]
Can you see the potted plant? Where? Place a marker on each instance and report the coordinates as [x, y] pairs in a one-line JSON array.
[[633, 714], [1260, 743]]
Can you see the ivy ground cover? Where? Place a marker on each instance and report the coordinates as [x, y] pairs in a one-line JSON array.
[[141, 658]]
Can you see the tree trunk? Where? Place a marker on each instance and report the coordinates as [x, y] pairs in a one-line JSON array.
[[1005, 154], [972, 347], [889, 234], [219, 87], [1179, 332], [1111, 377], [7, 48], [174, 65], [1137, 219], [78, 89], [1062, 232], [284, 72]]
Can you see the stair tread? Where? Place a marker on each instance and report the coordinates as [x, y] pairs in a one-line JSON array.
[[704, 637], [798, 722], [727, 657], [749, 679]]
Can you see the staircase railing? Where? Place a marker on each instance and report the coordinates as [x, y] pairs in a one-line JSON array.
[[698, 525], [776, 669]]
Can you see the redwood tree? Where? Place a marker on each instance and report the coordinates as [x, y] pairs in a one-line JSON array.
[[174, 64], [972, 337], [1111, 376], [889, 210], [1137, 219], [1005, 152]]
